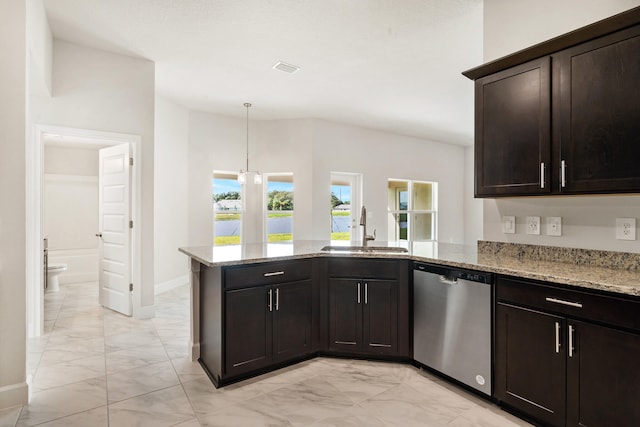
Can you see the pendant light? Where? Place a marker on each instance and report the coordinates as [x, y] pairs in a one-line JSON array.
[[242, 175]]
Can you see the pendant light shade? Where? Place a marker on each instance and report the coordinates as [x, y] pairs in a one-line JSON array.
[[242, 175]]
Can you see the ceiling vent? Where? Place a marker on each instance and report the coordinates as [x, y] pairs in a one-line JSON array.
[[287, 68]]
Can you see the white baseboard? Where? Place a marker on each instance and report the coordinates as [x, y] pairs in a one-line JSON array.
[[171, 284], [14, 395]]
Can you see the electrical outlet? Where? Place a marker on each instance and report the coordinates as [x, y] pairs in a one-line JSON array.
[[509, 224], [554, 226], [533, 225], [626, 228]]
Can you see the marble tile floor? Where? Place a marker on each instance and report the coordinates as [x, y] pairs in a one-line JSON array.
[[94, 367]]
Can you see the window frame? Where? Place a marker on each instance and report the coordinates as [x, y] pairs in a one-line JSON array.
[[411, 212]]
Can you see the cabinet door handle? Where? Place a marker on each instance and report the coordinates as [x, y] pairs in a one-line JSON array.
[[270, 300], [557, 337], [366, 293], [358, 292], [277, 299], [563, 176], [275, 273], [542, 175], [570, 341], [563, 302]]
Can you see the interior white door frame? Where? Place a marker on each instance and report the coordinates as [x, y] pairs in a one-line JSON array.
[[34, 206]]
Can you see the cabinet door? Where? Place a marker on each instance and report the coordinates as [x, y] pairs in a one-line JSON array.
[[513, 133], [345, 315], [599, 114], [530, 362], [603, 379], [380, 317], [247, 330], [291, 320]]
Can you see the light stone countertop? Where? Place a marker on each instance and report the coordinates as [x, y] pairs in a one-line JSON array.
[[600, 270]]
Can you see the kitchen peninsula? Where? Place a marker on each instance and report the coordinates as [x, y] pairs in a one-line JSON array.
[[292, 296]]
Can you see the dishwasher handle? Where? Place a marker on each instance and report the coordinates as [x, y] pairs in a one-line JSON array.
[[443, 279]]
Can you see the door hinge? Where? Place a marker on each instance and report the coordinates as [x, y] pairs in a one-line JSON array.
[[130, 161], [130, 287], [130, 224]]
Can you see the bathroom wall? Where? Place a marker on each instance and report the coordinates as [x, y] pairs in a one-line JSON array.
[[70, 210], [98, 90]]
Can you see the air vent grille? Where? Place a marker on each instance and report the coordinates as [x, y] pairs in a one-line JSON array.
[[287, 68]]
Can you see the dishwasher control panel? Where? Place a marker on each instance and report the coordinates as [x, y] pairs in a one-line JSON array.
[[454, 273]]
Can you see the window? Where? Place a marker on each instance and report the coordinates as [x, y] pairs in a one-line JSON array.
[[279, 207], [227, 209], [340, 210], [412, 210]]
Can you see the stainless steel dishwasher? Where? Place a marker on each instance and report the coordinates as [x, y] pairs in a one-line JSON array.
[[452, 323]]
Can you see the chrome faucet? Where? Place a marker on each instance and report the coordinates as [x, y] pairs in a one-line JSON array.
[[363, 223]]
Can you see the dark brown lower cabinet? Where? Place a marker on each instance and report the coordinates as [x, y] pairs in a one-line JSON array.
[[562, 371], [363, 316], [530, 367], [603, 377], [266, 325]]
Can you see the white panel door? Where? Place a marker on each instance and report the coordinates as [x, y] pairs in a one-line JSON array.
[[114, 216]]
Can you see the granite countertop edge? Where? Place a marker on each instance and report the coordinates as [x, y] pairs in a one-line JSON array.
[[611, 280]]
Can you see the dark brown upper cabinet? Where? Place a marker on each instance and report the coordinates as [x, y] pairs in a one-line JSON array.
[[598, 117], [562, 117], [513, 131]]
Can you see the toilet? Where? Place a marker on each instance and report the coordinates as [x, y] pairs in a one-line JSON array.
[[53, 271]]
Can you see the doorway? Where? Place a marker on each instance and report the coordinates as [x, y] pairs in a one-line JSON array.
[[345, 205], [70, 137]]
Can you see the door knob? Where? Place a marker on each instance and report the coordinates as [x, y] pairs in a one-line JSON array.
[[99, 235]]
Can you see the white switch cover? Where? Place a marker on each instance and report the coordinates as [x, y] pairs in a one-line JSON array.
[[554, 226], [626, 228], [533, 225], [509, 224]]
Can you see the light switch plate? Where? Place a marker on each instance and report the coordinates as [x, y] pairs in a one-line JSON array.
[[533, 225], [626, 228], [509, 224], [554, 226]]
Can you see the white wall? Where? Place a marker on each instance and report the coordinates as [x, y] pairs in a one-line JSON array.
[[70, 210], [588, 222], [102, 91], [473, 208], [40, 44], [312, 149], [171, 189], [13, 122]]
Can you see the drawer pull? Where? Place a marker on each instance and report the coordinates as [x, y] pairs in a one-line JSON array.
[[570, 341], [557, 337], [275, 273], [366, 293], [563, 302]]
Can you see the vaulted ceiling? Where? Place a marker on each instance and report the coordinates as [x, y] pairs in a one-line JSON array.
[[392, 65]]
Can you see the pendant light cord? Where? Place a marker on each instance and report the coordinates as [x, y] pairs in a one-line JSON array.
[[246, 104]]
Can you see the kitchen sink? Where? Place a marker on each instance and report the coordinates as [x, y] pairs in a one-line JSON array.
[[365, 249]]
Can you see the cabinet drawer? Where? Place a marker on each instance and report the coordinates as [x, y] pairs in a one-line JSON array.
[[266, 274], [363, 268], [612, 310]]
